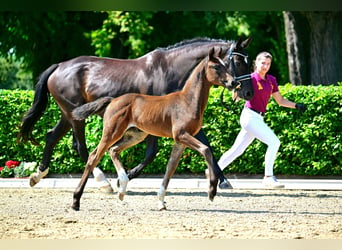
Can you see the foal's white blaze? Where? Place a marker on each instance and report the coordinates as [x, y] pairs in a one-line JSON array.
[[221, 61]]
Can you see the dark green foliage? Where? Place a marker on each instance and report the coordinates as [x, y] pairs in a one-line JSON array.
[[310, 142]]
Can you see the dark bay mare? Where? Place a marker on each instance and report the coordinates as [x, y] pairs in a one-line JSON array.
[[178, 115], [84, 79]]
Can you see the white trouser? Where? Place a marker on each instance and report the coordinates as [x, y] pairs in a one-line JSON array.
[[253, 126]]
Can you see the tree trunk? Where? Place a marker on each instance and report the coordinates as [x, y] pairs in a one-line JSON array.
[[314, 47]]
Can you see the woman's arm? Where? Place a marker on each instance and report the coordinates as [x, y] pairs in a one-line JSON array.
[[282, 101]]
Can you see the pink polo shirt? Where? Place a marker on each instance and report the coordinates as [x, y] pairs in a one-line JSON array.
[[263, 89]]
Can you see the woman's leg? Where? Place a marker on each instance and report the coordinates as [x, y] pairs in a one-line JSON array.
[[262, 132], [242, 141]]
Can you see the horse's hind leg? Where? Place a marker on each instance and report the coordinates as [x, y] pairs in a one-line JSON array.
[[122, 176], [112, 132], [172, 164], [80, 145], [52, 138], [93, 160], [151, 152], [131, 137]]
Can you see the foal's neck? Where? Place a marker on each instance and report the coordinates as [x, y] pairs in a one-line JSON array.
[[197, 87]]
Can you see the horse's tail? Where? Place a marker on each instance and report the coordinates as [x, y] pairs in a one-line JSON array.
[[41, 98], [95, 107]]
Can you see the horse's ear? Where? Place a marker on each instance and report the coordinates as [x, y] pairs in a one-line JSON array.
[[245, 43], [238, 43]]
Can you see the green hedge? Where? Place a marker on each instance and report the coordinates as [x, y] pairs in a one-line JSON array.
[[310, 142]]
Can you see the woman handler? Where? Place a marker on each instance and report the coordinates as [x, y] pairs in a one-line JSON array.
[[252, 121]]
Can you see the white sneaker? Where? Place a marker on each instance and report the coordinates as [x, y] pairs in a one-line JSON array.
[[271, 182]]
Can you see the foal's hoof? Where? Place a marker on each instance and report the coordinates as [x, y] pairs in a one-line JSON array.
[[162, 205], [104, 185], [211, 197], [107, 189], [75, 206], [121, 196], [212, 194], [225, 184]]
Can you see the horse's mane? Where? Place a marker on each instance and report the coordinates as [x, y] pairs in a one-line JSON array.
[[193, 41]]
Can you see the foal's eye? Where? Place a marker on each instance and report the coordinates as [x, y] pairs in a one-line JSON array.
[[217, 67]]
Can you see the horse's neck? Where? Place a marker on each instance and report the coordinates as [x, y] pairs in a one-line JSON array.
[[194, 52], [182, 60]]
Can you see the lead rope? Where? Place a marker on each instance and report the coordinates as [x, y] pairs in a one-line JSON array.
[[223, 104]]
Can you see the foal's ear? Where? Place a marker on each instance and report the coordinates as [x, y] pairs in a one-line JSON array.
[[221, 54], [211, 53]]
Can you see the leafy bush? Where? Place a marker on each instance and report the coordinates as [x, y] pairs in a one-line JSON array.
[[310, 142]]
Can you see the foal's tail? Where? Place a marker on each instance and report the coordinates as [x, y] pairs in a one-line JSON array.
[[95, 107], [41, 98]]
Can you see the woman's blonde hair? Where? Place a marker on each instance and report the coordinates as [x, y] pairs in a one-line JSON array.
[[263, 54]]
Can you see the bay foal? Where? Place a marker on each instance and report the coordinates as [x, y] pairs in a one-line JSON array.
[[178, 115]]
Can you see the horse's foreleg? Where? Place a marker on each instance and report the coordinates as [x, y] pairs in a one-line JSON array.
[[172, 164], [52, 138], [151, 152], [205, 151], [224, 183]]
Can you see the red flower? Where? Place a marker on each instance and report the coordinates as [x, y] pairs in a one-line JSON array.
[[12, 164], [1, 168]]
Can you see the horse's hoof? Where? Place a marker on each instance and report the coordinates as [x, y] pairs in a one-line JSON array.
[[75, 208], [34, 179], [211, 197], [107, 189], [121, 196], [225, 184]]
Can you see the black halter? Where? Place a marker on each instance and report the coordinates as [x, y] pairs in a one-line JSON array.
[[237, 79]]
